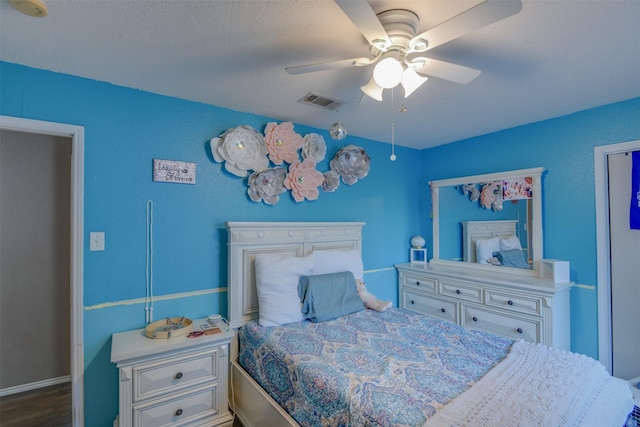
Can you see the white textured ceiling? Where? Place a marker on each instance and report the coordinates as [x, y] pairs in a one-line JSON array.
[[553, 58]]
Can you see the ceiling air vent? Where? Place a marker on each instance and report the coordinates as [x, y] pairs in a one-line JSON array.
[[319, 101]]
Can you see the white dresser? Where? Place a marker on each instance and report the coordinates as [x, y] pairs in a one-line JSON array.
[[179, 381], [515, 306]]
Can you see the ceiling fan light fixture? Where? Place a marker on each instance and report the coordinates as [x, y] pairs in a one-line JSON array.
[[372, 90], [388, 73], [411, 81]]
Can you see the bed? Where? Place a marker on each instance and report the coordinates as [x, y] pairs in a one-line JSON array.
[[391, 368]]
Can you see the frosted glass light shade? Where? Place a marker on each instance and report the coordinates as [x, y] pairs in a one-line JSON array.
[[373, 90], [388, 73], [411, 81]]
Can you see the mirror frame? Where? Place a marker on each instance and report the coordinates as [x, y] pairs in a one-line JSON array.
[[536, 222]]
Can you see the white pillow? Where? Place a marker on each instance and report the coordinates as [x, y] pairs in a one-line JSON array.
[[277, 278], [509, 243], [337, 260], [485, 249]]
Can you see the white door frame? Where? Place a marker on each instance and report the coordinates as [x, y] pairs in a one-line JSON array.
[[603, 246], [76, 133]]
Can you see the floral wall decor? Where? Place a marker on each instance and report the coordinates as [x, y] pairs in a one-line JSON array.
[[489, 194], [264, 159]]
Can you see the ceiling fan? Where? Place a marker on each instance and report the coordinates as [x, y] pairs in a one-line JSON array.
[[396, 48]]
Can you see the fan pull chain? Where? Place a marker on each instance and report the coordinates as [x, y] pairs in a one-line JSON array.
[[393, 131]]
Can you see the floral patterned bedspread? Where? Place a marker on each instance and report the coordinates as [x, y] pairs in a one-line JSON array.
[[394, 368]]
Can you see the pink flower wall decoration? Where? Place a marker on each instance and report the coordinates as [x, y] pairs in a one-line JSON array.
[[283, 142], [303, 180]]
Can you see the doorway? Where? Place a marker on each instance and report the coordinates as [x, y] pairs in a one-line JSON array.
[[616, 348], [76, 134]]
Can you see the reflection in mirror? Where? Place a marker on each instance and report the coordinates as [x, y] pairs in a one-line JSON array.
[[468, 221], [489, 221]]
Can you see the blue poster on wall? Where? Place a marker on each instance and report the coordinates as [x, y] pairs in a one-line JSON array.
[[634, 215]]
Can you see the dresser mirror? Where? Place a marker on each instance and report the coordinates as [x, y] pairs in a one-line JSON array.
[[490, 222]]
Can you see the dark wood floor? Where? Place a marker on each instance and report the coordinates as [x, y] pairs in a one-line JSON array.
[[44, 407]]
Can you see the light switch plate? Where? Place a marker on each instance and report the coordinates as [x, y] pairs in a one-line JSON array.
[[96, 241]]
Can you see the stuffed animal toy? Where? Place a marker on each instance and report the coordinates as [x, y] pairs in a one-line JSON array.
[[370, 300]]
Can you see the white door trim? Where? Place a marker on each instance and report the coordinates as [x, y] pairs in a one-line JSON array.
[[603, 248], [76, 133]]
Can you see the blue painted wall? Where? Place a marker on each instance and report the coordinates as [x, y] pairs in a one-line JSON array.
[[564, 147], [125, 129]]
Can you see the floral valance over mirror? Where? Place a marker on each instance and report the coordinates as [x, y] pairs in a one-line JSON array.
[[281, 160], [492, 194]]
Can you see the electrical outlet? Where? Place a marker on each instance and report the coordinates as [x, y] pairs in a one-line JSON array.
[[96, 241]]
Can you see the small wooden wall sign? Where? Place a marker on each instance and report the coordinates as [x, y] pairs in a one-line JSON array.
[[173, 171]]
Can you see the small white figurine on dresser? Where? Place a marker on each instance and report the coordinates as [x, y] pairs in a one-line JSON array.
[[418, 253], [181, 380]]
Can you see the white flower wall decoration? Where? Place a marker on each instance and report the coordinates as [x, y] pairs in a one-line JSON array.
[[245, 151], [242, 149]]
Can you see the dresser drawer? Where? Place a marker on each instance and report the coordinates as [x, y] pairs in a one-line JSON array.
[[416, 281], [185, 410], [501, 323], [461, 291], [429, 305], [174, 374], [518, 303]]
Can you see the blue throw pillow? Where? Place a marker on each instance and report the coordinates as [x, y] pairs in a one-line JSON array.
[[328, 296]]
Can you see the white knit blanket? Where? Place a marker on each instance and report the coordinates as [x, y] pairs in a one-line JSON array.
[[537, 385]]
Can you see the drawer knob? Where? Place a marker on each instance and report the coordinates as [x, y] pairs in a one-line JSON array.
[[443, 310], [510, 302], [417, 283], [458, 291], [178, 375], [178, 412], [413, 302], [474, 318], [519, 330]]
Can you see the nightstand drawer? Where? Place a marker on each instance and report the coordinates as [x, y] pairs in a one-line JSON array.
[[168, 376], [429, 305], [184, 410], [519, 303], [458, 290], [502, 324], [419, 282]]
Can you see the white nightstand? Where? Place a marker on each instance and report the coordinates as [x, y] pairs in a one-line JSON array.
[[180, 381]]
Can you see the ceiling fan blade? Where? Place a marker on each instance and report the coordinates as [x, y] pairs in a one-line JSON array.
[[361, 14], [333, 65], [479, 16], [447, 70]]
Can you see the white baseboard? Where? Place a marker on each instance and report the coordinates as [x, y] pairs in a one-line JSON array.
[[33, 386]]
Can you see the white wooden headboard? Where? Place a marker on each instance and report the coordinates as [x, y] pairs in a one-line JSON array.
[[475, 230], [247, 239]]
